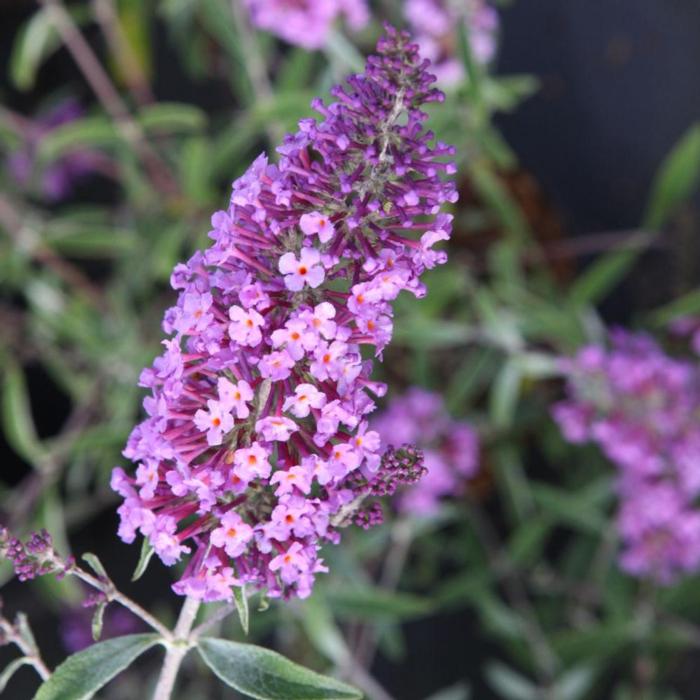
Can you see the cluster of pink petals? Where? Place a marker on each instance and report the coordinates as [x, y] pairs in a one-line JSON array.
[[641, 406], [256, 447], [450, 447], [306, 23], [434, 21]]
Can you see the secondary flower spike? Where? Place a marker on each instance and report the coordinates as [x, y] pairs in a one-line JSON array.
[[256, 449]]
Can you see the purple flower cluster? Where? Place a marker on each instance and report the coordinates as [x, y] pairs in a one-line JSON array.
[[33, 558], [450, 447], [433, 22], [306, 23], [641, 407], [57, 180], [256, 432]]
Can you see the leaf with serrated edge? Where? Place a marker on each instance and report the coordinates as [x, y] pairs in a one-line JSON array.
[[81, 675], [266, 675]]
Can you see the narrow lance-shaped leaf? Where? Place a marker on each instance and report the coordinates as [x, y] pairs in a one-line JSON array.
[[144, 558], [10, 671], [83, 674], [240, 598], [676, 180], [265, 675]]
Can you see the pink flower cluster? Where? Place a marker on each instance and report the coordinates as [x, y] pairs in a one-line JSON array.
[[641, 407], [433, 22], [450, 447], [256, 447], [306, 23]]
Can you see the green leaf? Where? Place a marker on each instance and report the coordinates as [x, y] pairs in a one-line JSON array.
[[266, 675], [603, 275], [322, 630], [11, 669], [34, 43], [505, 394], [95, 132], [90, 241], [675, 181], [83, 674], [144, 558], [511, 685], [96, 565], [570, 508], [686, 305], [172, 117], [240, 598], [342, 51], [18, 423], [574, 684], [98, 620], [372, 603]]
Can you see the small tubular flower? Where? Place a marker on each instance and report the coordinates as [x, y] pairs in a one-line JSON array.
[[256, 443]]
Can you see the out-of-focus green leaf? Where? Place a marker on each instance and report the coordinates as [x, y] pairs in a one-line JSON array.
[[675, 181], [686, 305], [509, 684], [84, 241], [323, 632], [505, 394], [372, 603], [18, 423], [218, 20], [454, 692], [195, 170], [528, 540], [342, 51], [265, 675], [37, 40], [81, 675], [602, 276], [505, 93], [89, 132], [574, 684], [294, 74], [172, 118], [567, 508]]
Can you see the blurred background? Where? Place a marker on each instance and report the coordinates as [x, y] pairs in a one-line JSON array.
[[579, 157]]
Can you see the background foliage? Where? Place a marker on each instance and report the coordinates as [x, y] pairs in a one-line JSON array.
[[512, 591]]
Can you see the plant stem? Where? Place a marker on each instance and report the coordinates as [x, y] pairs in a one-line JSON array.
[[176, 650], [109, 589], [30, 651]]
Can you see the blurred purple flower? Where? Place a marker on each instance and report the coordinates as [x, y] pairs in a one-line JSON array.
[[433, 22], [306, 23], [58, 179], [641, 407], [450, 447]]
